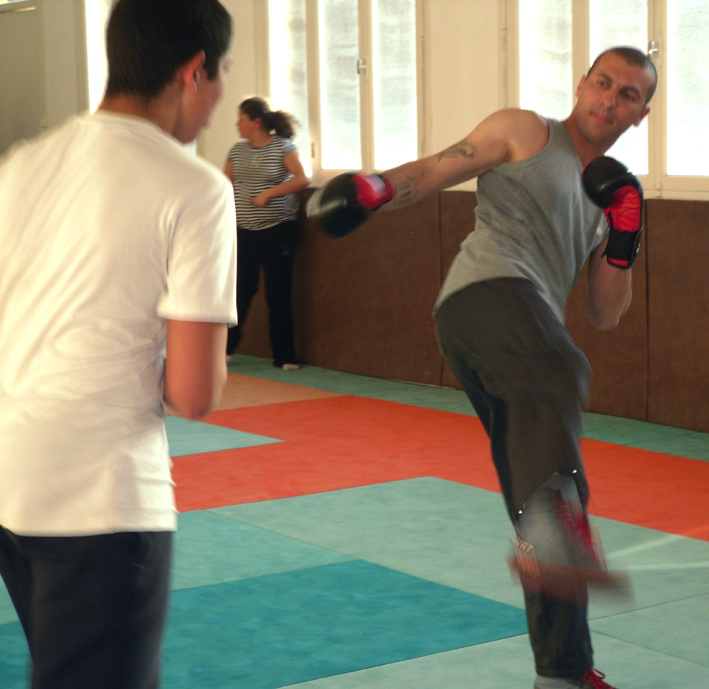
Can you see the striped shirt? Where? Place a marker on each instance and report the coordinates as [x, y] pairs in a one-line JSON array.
[[255, 169]]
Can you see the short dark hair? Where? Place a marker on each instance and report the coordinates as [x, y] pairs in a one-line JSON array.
[[148, 40], [632, 56]]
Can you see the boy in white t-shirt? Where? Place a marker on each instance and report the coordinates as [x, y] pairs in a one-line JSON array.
[[117, 283]]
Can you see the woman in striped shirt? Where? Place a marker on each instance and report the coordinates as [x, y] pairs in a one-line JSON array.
[[266, 173]]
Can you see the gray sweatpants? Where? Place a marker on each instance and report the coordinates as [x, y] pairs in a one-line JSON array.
[[528, 383]]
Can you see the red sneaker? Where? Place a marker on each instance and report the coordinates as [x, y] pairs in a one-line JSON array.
[[589, 680]]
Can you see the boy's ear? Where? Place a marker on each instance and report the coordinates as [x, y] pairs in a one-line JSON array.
[[189, 72]]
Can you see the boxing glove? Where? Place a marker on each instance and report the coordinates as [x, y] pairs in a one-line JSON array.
[[346, 201], [618, 192]]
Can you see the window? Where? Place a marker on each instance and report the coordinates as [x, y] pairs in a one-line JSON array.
[[340, 70], [545, 69], [559, 40], [289, 64], [395, 87], [622, 23], [348, 71], [687, 76]]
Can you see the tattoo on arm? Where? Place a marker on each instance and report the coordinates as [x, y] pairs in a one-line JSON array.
[[462, 149], [406, 192]]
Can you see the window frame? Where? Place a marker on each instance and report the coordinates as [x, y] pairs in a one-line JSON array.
[[313, 156]]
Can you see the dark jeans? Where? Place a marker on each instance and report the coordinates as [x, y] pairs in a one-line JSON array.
[[528, 382], [93, 608], [272, 249]]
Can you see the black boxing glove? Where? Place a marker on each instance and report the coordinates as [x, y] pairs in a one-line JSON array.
[[610, 185], [346, 201]]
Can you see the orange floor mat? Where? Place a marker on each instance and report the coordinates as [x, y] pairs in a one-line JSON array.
[[343, 442]]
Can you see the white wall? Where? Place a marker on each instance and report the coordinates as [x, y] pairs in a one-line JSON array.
[[22, 85], [43, 64], [243, 81], [66, 71], [462, 67]]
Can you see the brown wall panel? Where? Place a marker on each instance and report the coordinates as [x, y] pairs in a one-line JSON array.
[[370, 296], [678, 260], [618, 357], [363, 305], [457, 222]]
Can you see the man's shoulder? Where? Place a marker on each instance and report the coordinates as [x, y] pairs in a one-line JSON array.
[[195, 173], [516, 118], [48, 138], [526, 132]]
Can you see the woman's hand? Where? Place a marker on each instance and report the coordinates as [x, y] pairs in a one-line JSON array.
[[261, 199]]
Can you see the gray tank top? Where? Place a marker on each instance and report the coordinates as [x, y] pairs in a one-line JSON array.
[[533, 220]]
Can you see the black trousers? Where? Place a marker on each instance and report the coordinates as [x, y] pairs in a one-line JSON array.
[[93, 608], [528, 383], [272, 250]]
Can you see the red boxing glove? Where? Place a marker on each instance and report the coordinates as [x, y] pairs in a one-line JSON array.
[[626, 210], [624, 217], [347, 200], [618, 192], [372, 191]]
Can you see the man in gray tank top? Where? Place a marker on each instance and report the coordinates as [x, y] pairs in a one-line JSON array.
[[499, 320]]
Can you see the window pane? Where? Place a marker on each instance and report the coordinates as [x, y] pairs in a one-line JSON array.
[[614, 23], [687, 93], [339, 84], [394, 74], [546, 83], [289, 68]]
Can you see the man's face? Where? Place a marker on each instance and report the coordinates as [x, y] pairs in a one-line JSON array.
[[611, 98], [207, 95]]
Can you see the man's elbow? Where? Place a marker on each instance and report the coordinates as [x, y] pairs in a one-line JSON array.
[[605, 314], [194, 410], [605, 318], [605, 322], [195, 404]]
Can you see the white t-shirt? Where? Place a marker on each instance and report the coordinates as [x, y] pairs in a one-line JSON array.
[[108, 227]]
